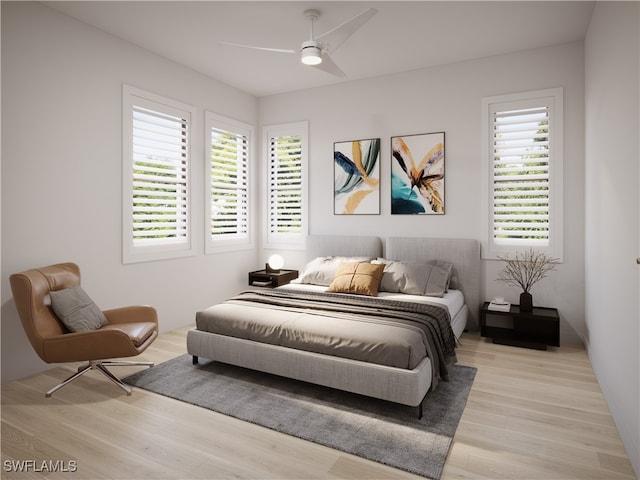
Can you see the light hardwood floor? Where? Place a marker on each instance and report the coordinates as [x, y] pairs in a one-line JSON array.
[[530, 415]]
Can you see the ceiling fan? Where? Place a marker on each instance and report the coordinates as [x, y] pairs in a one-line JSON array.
[[315, 51]]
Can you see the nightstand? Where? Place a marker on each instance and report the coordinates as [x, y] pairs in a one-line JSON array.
[[263, 278], [536, 329]]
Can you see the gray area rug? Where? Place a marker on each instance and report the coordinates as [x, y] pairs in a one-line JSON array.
[[377, 430]]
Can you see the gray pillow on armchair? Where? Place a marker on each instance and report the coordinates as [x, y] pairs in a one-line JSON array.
[[76, 310]]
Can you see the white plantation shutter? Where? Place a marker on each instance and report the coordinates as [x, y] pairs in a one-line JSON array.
[[521, 176], [285, 185], [286, 154], [156, 177], [524, 172], [228, 184], [160, 177], [228, 206]]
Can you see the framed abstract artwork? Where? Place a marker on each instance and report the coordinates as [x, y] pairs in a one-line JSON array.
[[356, 177], [417, 174]]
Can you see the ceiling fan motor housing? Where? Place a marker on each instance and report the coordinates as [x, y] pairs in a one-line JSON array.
[[311, 53]]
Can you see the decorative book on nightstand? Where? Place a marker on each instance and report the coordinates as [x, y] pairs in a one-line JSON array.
[[499, 306], [536, 329], [265, 278]]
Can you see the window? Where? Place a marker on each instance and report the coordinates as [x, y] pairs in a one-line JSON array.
[[286, 188], [156, 162], [228, 149], [523, 168]]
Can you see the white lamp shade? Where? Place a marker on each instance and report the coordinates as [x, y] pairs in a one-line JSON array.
[[311, 54], [276, 262]]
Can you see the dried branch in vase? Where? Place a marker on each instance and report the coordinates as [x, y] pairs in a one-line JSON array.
[[526, 269]]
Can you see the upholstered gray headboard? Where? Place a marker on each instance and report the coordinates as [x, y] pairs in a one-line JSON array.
[[463, 253], [343, 246]]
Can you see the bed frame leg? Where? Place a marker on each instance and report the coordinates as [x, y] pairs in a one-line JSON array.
[[420, 411], [194, 360]]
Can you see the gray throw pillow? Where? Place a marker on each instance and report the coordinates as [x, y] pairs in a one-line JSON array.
[[448, 267], [76, 310], [413, 278]]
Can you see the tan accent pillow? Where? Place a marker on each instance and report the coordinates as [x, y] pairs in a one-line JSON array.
[[358, 278]]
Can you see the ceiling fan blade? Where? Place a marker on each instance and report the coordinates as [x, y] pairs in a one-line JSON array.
[[337, 35], [277, 50], [329, 66]]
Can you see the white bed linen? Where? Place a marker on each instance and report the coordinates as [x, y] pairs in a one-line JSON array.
[[453, 299]]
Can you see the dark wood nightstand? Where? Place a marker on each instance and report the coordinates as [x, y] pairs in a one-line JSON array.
[[536, 329], [263, 278]]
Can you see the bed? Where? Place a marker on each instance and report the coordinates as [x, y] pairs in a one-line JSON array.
[[246, 329]]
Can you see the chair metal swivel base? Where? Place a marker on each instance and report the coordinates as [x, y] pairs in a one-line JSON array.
[[101, 366]]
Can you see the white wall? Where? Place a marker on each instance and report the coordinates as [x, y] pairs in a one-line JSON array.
[[446, 98], [61, 170], [612, 243]]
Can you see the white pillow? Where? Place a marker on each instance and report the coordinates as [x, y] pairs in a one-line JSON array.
[[322, 270]]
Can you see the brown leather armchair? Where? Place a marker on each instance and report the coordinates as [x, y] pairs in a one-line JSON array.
[[128, 332]]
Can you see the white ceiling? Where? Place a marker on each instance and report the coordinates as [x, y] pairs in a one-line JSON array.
[[402, 36]]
